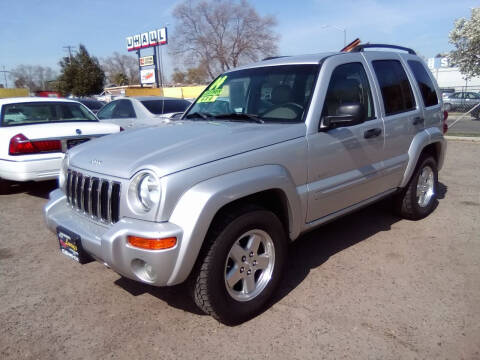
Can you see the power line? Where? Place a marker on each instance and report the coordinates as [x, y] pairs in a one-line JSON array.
[[5, 75], [70, 49]]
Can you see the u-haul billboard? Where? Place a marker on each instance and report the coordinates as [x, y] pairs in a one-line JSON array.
[[147, 39]]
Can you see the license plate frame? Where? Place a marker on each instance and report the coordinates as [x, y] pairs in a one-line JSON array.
[[71, 245]]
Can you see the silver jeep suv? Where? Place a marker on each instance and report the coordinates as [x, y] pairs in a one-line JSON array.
[[267, 152]]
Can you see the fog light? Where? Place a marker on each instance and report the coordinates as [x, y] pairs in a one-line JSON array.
[[143, 270], [152, 244]]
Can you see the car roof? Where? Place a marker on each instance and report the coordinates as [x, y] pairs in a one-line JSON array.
[[16, 100], [308, 59]]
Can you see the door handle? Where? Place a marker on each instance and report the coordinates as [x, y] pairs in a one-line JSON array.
[[372, 133], [418, 120]]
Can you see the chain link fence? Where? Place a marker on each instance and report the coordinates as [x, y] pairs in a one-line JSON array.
[[463, 106]]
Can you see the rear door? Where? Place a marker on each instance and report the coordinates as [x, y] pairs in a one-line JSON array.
[[426, 91], [400, 110]]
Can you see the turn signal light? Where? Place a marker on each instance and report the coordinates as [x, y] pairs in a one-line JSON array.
[[21, 145], [152, 244]]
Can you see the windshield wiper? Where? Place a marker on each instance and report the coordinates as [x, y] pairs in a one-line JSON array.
[[240, 117], [198, 114]]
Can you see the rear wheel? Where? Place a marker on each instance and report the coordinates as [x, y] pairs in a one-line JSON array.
[[4, 186], [242, 266], [418, 198], [447, 107]]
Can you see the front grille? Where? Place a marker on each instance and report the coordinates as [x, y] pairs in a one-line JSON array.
[[97, 197]]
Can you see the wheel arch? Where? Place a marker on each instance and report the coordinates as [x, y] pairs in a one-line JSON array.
[[268, 186], [430, 142]]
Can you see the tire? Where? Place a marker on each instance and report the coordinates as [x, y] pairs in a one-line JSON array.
[[4, 186], [253, 272], [447, 107], [418, 199]]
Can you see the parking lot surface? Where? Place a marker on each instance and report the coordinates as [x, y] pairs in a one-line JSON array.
[[466, 125], [368, 286]]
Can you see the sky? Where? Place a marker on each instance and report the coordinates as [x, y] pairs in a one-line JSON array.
[[34, 32]]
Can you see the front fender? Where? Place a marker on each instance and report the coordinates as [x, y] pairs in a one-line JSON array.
[[420, 141], [196, 208]]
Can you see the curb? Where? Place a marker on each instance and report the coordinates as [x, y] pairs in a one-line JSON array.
[[463, 138]]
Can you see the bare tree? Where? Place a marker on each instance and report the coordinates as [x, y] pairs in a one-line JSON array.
[[221, 34], [120, 66], [33, 77]]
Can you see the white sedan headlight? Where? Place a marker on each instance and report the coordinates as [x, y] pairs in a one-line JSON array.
[[144, 192], [62, 176]]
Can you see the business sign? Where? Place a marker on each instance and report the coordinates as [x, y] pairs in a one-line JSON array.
[[147, 39], [146, 61], [147, 76], [437, 62]]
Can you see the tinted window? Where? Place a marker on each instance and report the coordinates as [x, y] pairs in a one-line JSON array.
[[424, 83], [471, 95], [348, 84], [107, 111], [159, 107], [396, 90], [92, 104], [44, 112], [123, 110]]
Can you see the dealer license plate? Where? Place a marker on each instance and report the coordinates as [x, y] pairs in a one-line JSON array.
[[71, 246]]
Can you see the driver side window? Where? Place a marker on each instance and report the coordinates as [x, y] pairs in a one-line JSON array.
[[348, 85]]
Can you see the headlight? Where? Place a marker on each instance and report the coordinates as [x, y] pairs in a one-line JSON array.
[[144, 192], [62, 176]]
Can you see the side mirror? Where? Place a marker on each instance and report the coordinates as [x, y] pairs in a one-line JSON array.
[[347, 115]]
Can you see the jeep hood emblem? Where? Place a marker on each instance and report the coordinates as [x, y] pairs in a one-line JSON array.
[[96, 162]]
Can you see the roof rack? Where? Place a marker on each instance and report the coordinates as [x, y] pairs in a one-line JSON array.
[[274, 57], [362, 47]]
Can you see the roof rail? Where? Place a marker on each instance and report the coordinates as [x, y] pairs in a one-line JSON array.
[[362, 47], [273, 57]]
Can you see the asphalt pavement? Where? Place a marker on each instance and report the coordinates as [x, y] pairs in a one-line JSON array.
[[367, 286]]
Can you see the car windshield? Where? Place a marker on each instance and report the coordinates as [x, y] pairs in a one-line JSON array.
[[166, 106], [43, 112], [264, 94]]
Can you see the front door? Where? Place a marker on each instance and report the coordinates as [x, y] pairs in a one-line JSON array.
[[345, 163]]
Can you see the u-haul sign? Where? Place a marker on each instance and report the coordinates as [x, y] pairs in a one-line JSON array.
[[147, 39]]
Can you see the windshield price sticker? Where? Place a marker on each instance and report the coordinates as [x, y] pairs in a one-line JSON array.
[[214, 91]]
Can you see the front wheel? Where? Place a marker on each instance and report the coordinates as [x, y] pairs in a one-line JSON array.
[[418, 198], [242, 267]]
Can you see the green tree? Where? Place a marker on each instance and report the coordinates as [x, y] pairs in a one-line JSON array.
[[465, 36], [81, 74]]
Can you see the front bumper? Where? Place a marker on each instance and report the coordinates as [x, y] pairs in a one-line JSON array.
[[108, 243], [27, 170]]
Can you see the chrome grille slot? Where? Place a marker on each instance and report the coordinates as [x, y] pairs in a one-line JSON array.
[[99, 198]]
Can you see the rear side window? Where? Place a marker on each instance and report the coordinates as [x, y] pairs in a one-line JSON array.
[[396, 90], [424, 82], [159, 107], [124, 110]]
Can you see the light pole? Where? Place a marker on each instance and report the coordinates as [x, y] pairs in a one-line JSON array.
[[339, 29]]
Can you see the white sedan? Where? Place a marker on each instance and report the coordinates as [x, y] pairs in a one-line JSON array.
[[36, 132]]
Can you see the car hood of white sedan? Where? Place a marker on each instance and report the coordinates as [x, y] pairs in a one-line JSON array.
[[177, 145]]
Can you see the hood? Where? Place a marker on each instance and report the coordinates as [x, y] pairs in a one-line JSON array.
[[177, 145]]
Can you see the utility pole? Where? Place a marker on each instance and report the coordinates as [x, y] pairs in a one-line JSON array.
[[5, 75], [69, 48]]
